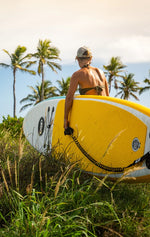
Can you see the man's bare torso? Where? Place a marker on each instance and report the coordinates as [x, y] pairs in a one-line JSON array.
[[90, 77]]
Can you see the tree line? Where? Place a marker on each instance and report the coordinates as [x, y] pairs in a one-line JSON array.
[[46, 54]]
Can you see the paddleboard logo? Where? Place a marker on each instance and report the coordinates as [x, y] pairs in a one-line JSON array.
[[41, 126], [48, 127], [135, 144]]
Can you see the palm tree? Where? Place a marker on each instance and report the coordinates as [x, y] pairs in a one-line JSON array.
[[18, 62], [143, 89], [35, 97], [113, 70], [128, 86], [46, 55], [63, 86]]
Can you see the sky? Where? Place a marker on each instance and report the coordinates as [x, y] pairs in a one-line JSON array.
[[109, 28]]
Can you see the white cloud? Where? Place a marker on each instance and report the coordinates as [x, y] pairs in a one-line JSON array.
[[110, 28], [130, 49]]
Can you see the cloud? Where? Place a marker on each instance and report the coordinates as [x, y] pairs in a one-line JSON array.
[[131, 49], [109, 28]]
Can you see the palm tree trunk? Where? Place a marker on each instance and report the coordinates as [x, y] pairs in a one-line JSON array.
[[42, 89], [14, 94], [109, 82]]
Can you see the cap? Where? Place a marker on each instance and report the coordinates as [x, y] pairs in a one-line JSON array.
[[84, 52]]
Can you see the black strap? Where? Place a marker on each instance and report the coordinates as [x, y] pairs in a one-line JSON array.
[[100, 165]]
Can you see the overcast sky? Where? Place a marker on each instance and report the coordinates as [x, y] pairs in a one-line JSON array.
[[108, 27]]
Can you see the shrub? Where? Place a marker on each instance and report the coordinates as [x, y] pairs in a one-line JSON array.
[[13, 125]]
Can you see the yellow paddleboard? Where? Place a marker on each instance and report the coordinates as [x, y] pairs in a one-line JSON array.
[[111, 136]]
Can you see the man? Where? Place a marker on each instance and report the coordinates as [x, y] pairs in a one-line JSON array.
[[91, 81]]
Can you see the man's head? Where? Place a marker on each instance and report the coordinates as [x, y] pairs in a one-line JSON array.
[[84, 56], [84, 53]]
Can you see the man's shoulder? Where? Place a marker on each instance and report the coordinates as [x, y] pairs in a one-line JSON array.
[[77, 73], [99, 70]]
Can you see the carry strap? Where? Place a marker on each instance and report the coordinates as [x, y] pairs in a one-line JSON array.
[[69, 131]]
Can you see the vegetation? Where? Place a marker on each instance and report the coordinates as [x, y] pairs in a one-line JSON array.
[[49, 91], [36, 96], [113, 71], [46, 55], [63, 86], [128, 87], [147, 87], [12, 125], [18, 62], [48, 196]]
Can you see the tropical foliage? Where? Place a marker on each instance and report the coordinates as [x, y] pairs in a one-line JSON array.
[[12, 125], [18, 62], [36, 96], [63, 86], [146, 88], [46, 55], [49, 91], [128, 87], [47, 196], [113, 70]]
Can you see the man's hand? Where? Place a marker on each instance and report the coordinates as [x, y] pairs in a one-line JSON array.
[[68, 131]]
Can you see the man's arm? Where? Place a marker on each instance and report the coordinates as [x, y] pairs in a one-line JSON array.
[[106, 87], [105, 82], [69, 98]]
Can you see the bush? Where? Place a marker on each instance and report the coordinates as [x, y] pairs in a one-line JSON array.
[[13, 125], [47, 196]]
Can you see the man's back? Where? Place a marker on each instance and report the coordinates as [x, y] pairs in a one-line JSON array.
[[89, 77]]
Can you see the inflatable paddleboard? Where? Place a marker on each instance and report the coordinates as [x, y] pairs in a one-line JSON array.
[[110, 136]]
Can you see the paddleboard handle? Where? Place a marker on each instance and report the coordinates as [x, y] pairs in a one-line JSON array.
[[68, 131]]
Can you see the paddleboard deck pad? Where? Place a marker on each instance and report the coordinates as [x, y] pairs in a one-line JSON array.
[[109, 136]]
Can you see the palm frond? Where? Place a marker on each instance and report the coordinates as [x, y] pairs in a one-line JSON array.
[[147, 81], [26, 70], [134, 96], [35, 97], [128, 86], [20, 50], [40, 67], [25, 107], [54, 65], [28, 98], [4, 65], [7, 52], [27, 64], [118, 93], [144, 89]]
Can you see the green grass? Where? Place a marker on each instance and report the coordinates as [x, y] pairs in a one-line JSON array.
[[45, 196]]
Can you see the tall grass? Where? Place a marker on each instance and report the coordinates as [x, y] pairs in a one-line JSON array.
[[48, 196]]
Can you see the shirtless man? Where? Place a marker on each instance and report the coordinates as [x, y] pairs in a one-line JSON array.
[[91, 81]]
